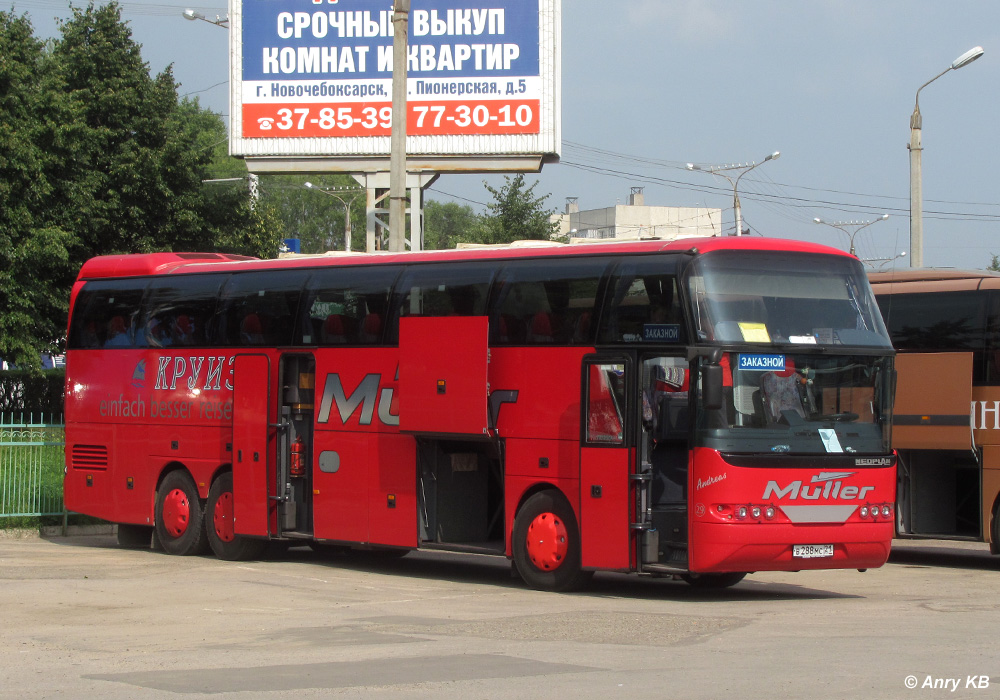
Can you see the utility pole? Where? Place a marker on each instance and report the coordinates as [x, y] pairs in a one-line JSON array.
[[397, 154]]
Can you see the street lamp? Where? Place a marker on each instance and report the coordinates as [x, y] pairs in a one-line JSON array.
[[720, 170], [857, 226], [194, 14], [916, 177], [882, 262], [346, 201]]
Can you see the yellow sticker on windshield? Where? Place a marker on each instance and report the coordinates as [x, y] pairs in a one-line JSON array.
[[754, 332]]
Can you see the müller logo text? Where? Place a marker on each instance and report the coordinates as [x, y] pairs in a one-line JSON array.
[[828, 485]]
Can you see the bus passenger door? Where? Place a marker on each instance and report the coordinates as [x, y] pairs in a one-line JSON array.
[[250, 454], [664, 455], [606, 462]]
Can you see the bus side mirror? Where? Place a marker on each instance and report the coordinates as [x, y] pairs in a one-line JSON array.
[[711, 386]]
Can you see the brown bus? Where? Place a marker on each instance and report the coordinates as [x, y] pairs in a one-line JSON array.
[[945, 325]]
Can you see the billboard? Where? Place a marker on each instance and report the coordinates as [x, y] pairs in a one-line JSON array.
[[313, 78]]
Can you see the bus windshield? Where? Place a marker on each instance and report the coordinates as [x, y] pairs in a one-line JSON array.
[[801, 404], [782, 298]]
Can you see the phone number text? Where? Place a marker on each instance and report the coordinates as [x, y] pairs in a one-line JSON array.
[[486, 117]]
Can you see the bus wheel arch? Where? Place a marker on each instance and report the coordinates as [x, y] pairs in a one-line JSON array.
[[545, 543], [220, 523], [179, 514]]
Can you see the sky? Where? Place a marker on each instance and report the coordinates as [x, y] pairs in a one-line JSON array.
[[651, 85]]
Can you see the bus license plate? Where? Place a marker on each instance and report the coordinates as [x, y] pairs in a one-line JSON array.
[[811, 551]]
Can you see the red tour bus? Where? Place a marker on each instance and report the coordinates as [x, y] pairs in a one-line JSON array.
[[701, 408]]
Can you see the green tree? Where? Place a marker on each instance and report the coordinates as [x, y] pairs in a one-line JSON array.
[[447, 224], [117, 184], [516, 213], [137, 156], [213, 209], [98, 157], [34, 267], [994, 263], [317, 219]]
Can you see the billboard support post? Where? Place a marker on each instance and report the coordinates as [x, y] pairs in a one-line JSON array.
[[397, 149], [377, 186]]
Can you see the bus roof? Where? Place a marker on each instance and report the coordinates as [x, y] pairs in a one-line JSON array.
[[167, 263], [933, 279], [137, 265]]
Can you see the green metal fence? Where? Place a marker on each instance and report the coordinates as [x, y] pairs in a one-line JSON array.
[[31, 465]]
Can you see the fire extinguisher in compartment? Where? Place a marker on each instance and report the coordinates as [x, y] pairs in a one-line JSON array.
[[298, 467]]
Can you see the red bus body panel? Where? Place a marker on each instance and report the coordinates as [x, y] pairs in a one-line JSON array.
[[812, 506], [142, 430], [253, 457], [442, 375], [605, 536]]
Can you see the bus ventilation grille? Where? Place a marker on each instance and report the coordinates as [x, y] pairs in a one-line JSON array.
[[90, 457]]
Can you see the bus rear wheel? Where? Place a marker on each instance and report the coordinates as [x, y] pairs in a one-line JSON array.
[[222, 537], [180, 523], [546, 544], [714, 580]]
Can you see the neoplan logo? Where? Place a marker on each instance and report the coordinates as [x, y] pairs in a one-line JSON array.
[[828, 485]]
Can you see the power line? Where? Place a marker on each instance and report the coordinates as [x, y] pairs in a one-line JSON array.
[[599, 155], [128, 8], [784, 199]]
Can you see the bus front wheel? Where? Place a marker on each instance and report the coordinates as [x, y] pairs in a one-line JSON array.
[[546, 544], [180, 525], [222, 537]]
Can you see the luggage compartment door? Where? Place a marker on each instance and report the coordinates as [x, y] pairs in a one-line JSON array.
[[252, 449]]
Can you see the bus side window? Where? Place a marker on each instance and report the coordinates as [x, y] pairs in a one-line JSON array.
[[345, 306], [538, 304], [941, 322], [642, 304], [104, 314], [605, 401], [441, 290], [259, 308], [991, 369], [179, 309]]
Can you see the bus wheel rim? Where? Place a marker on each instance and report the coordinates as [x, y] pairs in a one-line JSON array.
[[222, 517], [176, 512], [547, 542]]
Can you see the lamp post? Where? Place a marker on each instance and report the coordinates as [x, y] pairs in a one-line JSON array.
[[194, 14], [346, 201], [857, 226], [916, 176], [735, 182], [882, 262]]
